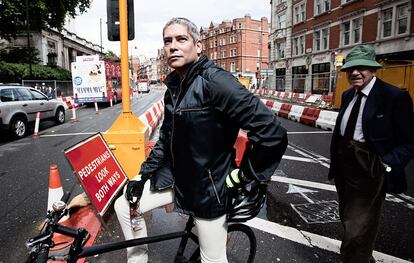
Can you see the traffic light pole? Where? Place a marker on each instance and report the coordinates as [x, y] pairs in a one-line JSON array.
[[123, 26], [127, 136]]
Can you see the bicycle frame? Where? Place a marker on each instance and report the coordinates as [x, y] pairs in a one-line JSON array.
[[77, 251]]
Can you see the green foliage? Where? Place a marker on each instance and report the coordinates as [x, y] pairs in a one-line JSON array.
[[111, 56], [42, 14], [20, 55], [12, 72]]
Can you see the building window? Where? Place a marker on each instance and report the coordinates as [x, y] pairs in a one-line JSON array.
[[281, 49], [215, 55], [233, 52], [402, 19], [299, 45], [223, 53], [232, 66], [320, 39], [223, 66], [239, 25], [233, 39], [320, 78], [215, 43], [211, 44], [322, 6], [299, 12], [351, 31], [395, 20], [298, 78], [282, 21], [280, 79]]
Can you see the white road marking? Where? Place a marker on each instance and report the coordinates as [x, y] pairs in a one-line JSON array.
[[68, 134], [299, 190], [301, 159], [308, 154], [287, 180], [310, 239], [389, 197]]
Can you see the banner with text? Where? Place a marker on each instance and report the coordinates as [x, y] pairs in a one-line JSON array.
[[98, 171]]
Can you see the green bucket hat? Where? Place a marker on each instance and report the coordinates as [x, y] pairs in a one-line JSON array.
[[361, 55]]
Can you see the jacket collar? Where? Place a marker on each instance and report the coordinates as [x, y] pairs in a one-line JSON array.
[[173, 80]]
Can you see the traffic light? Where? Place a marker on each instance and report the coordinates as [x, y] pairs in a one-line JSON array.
[[112, 13]]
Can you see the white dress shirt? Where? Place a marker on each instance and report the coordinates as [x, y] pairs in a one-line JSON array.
[[358, 134]]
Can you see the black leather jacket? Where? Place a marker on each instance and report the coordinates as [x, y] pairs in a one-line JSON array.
[[194, 153]]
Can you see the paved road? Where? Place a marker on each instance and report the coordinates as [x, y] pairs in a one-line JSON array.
[[24, 171], [298, 224]]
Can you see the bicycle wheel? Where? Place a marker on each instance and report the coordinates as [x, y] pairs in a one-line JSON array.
[[240, 248], [241, 244]]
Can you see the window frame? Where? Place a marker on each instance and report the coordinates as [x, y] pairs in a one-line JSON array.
[[322, 5], [301, 45], [394, 20], [351, 31]]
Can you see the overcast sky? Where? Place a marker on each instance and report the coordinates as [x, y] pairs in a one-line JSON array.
[[151, 15]]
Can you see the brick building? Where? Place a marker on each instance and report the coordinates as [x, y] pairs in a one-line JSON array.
[[239, 46], [309, 38]]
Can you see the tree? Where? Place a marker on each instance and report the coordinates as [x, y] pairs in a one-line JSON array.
[[111, 56], [42, 14]]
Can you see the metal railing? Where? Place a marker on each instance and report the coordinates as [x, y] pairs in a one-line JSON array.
[[52, 88]]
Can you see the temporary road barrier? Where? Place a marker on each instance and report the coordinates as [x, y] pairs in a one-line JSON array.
[[36, 130], [327, 120], [284, 110], [309, 116], [96, 106], [276, 107], [295, 112], [73, 113]]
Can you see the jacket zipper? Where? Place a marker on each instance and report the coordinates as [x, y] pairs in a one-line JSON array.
[[193, 109], [172, 129], [214, 186]]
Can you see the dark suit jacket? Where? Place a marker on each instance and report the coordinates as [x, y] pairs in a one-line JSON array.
[[388, 128]]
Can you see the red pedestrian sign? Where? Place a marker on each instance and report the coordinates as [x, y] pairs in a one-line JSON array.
[[98, 171]]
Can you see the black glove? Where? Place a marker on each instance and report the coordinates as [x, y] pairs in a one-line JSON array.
[[134, 190]]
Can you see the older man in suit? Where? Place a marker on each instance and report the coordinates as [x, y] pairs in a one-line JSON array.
[[372, 142]]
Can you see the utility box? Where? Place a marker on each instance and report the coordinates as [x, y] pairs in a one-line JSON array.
[[127, 139]]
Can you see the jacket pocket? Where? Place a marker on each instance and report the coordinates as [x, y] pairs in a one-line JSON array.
[[214, 186]]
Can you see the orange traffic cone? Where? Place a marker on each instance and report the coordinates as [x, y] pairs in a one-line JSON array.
[[55, 189]]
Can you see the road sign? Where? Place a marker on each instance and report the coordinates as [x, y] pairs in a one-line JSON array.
[[98, 171]]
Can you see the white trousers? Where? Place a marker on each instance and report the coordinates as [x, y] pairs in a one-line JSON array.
[[212, 233]]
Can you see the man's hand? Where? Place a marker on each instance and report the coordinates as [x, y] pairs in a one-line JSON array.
[[134, 190], [236, 179]]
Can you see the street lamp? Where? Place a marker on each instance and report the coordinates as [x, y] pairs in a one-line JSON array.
[[28, 37]]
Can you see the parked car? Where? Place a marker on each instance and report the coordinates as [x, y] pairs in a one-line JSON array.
[[19, 105]]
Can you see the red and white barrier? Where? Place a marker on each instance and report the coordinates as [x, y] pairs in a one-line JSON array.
[[295, 113], [309, 116], [152, 116], [36, 130], [326, 120], [73, 113], [96, 106], [276, 107]]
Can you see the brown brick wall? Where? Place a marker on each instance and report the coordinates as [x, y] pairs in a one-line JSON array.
[[369, 28], [334, 36]]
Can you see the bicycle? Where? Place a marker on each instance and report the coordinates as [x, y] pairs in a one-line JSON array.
[[41, 244]]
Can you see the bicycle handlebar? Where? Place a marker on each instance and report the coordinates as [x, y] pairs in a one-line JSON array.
[[41, 244]]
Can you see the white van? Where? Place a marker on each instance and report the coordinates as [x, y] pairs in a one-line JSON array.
[[143, 86]]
